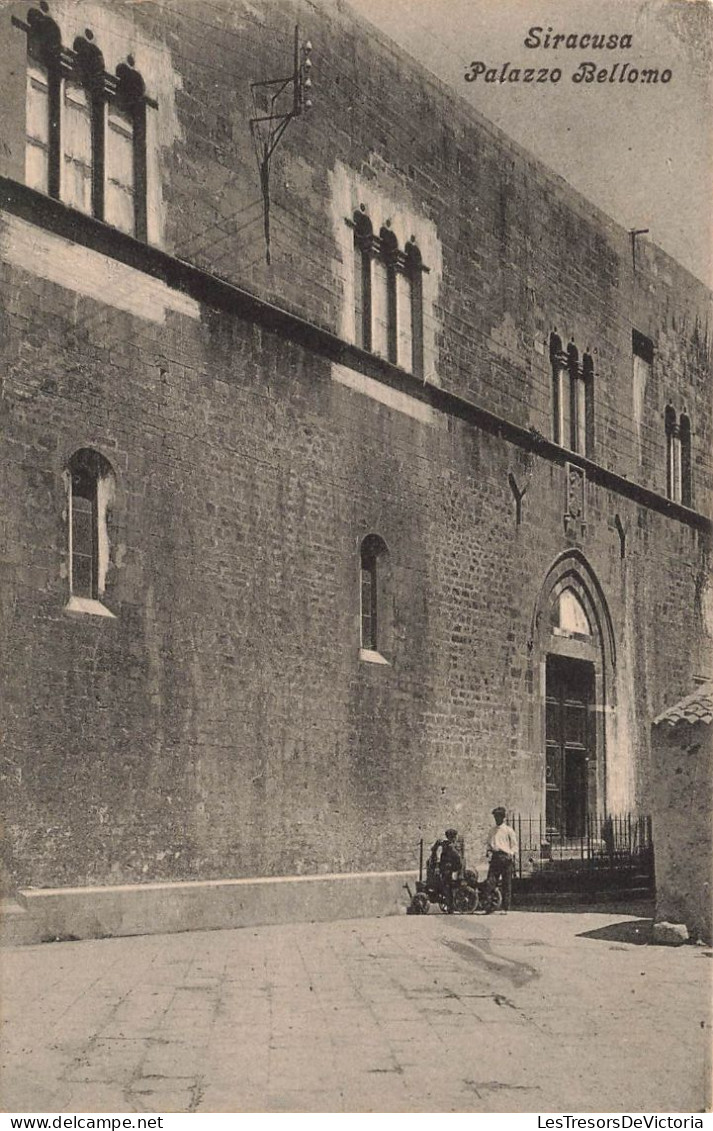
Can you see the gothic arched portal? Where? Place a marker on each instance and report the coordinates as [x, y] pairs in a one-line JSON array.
[[573, 660]]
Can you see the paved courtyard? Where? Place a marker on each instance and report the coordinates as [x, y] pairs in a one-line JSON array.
[[525, 1012]]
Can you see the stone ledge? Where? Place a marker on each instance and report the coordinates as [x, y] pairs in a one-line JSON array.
[[56, 914], [210, 290]]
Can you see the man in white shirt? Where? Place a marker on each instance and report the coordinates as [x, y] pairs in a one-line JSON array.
[[502, 850]]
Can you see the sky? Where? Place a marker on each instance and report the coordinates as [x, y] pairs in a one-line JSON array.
[[642, 152]]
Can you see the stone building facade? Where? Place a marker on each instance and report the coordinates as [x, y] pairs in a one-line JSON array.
[[301, 562], [682, 812]]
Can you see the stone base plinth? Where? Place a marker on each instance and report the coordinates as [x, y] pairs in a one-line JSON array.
[[47, 915]]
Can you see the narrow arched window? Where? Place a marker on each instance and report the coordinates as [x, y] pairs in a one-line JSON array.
[[373, 550], [38, 126], [684, 429], [404, 317], [386, 307], [42, 112], [383, 296], [91, 489], [363, 249], [84, 533], [77, 147], [411, 311], [673, 455], [578, 412], [560, 390], [82, 131], [588, 423], [125, 155]]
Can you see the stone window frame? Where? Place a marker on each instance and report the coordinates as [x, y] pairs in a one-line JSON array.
[[89, 477], [572, 397], [679, 479], [403, 275], [124, 93], [373, 555]]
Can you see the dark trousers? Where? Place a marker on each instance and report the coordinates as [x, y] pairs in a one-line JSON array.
[[500, 871], [446, 885]]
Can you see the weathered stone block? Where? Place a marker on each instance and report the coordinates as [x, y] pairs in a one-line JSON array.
[[670, 934]]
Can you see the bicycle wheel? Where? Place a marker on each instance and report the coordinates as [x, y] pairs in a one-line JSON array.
[[420, 904], [493, 900], [465, 900]]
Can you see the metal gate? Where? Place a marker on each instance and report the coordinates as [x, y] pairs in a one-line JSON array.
[[616, 848]]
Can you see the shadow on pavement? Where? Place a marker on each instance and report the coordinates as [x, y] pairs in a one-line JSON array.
[[636, 931]]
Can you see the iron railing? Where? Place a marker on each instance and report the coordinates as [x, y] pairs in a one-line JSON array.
[[621, 842]]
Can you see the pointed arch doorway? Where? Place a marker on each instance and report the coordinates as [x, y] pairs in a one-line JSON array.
[[573, 660]]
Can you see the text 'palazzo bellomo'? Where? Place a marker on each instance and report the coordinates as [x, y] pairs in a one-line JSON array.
[[304, 559]]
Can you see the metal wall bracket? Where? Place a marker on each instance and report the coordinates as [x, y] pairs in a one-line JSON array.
[[283, 99]]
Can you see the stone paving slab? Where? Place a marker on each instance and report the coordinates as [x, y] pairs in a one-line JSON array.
[[561, 1011]]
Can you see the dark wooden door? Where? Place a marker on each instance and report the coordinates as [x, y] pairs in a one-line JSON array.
[[569, 698]]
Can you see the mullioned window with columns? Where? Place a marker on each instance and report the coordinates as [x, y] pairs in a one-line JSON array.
[[388, 294], [572, 397], [85, 128]]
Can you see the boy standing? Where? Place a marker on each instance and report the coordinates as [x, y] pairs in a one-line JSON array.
[[449, 864], [502, 849]]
